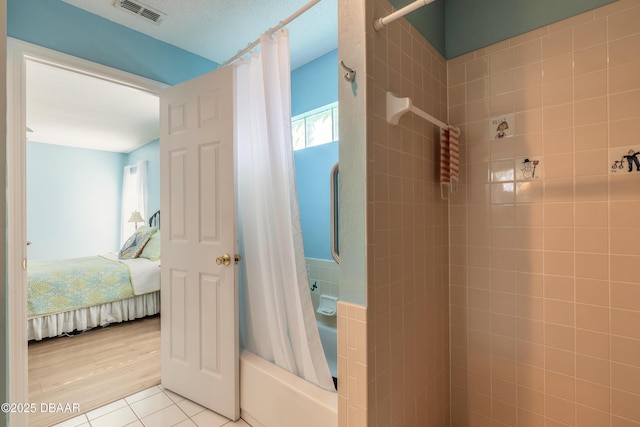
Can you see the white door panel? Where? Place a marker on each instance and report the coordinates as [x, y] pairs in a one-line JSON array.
[[200, 348]]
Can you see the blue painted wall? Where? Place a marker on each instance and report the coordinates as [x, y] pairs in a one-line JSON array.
[[151, 153], [65, 28], [314, 85], [473, 24], [73, 201], [456, 27], [74, 197], [313, 168], [429, 20]]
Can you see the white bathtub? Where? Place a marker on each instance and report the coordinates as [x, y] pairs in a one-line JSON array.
[[273, 397]]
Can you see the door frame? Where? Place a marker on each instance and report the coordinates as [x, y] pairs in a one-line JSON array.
[[18, 53]]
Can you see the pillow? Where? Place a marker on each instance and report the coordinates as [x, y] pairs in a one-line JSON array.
[[134, 244], [151, 250]]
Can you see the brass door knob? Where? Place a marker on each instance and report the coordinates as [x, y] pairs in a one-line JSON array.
[[224, 260]]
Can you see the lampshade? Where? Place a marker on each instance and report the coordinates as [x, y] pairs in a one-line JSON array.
[[135, 217]]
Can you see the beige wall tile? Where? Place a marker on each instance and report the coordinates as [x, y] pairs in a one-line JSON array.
[[625, 377], [625, 295], [625, 105], [557, 92], [560, 361], [591, 136], [594, 292], [624, 51], [557, 68], [527, 53], [557, 44], [559, 409], [625, 404], [592, 395], [590, 111], [501, 61], [624, 24], [590, 60], [624, 78], [547, 261], [590, 34], [593, 344], [558, 117], [559, 287]]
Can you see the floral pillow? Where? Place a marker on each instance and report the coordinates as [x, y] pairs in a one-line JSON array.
[[135, 244], [151, 250]]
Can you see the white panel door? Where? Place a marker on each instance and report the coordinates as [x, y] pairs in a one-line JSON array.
[[200, 347]]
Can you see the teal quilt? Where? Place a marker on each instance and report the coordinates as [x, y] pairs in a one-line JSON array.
[[55, 286]]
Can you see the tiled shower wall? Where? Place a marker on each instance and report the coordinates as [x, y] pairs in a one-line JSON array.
[[407, 226], [545, 272]]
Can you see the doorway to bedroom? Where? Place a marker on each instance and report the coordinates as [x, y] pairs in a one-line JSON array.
[[90, 131]]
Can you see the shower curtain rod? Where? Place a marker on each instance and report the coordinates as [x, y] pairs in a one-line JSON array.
[[379, 23], [272, 31]]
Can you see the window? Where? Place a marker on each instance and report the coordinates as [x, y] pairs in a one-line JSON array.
[[316, 127], [134, 197]]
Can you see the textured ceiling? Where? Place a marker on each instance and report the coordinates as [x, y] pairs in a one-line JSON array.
[[72, 109], [117, 118], [218, 29]]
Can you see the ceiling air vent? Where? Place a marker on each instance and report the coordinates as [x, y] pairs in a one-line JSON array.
[[141, 10]]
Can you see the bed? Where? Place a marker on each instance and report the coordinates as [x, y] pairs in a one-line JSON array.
[[71, 295]]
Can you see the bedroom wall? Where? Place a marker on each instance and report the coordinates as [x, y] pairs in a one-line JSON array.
[[151, 153], [73, 201]]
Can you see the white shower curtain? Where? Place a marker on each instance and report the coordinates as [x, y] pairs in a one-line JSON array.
[[279, 322], [134, 196]]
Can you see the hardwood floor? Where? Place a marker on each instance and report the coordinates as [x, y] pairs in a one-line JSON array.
[[93, 368]]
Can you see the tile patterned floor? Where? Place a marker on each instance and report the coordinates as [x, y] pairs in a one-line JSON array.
[[154, 407]]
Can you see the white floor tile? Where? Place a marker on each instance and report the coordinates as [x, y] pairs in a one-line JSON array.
[[154, 407], [143, 394], [74, 422], [209, 419], [190, 408], [151, 404], [119, 418], [166, 417], [186, 423], [106, 409], [173, 396]]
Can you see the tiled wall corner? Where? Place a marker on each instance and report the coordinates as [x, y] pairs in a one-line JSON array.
[[352, 365], [545, 317], [407, 232]]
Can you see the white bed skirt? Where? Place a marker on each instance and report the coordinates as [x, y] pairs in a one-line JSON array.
[[52, 325]]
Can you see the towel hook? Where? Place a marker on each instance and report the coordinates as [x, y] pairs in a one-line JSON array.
[[350, 75]]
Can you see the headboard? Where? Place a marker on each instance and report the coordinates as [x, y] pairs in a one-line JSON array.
[[154, 220]]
